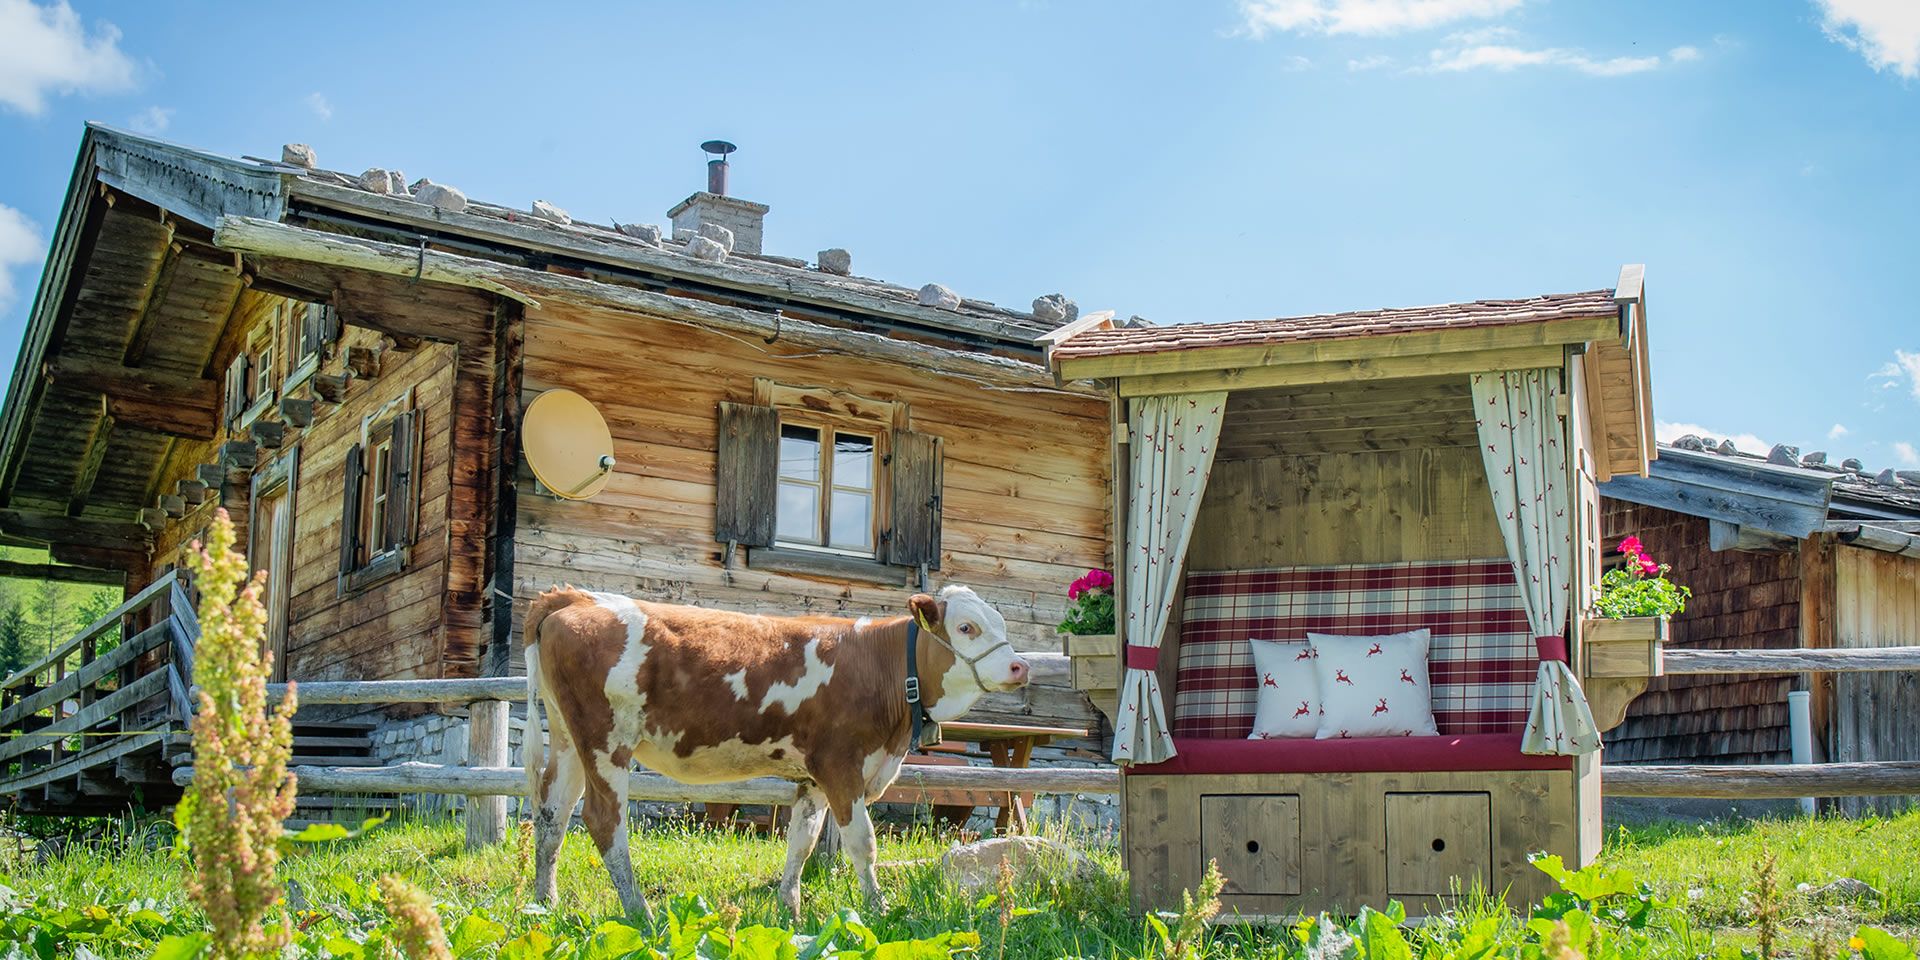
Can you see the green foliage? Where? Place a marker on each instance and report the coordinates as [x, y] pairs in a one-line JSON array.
[[1630, 593], [1090, 614], [13, 639]]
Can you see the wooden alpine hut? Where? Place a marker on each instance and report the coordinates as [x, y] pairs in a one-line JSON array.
[[1356, 549]]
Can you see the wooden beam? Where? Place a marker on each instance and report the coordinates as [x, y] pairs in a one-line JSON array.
[[1784, 500], [60, 529], [155, 297], [297, 412], [60, 573], [263, 238], [187, 421], [1826, 660], [145, 388], [1722, 535], [1338, 371], [1399, 345], [91, 461], [1763, 782]]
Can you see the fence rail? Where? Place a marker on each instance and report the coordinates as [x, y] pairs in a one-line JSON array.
[[1830, 660]]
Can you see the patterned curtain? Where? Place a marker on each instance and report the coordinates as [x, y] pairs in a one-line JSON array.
[[1171, 442], [1523, 443]]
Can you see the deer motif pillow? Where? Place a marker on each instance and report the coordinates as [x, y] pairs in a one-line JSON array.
[[1288, 703], [1373, 686]]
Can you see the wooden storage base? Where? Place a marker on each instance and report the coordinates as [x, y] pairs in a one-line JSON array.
[[1297, 844]]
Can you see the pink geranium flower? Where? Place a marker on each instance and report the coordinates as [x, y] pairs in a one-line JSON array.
[[1631, 546], [1648, 567]]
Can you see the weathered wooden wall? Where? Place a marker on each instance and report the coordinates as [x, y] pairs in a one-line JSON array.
[[1740, 600], [1025, 476], [1876, 604]]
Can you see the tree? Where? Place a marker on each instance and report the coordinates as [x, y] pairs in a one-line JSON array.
[[97, 603], [13, 639]]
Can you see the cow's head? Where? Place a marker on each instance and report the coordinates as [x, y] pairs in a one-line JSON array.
[[976, 636]]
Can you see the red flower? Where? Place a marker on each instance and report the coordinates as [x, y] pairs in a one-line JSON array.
[[1648, 567], [1631, 546], [1091, 580]]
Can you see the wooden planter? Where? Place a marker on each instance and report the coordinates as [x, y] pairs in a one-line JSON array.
[[1628, 647], [1095, 668]]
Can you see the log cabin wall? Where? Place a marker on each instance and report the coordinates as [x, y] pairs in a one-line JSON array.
[[1741, 600], [1024, 504], [1876, 604]]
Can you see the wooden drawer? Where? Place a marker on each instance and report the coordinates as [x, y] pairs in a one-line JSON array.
[[1255, 839], [1434, 838]]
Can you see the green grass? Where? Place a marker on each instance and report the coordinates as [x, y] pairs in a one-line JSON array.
[[1708, 871]]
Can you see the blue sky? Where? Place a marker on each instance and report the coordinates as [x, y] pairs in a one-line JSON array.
[[1193, 161]]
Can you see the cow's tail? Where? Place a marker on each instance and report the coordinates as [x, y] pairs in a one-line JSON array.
[[533, 741]]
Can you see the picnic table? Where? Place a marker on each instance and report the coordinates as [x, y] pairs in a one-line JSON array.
[[1005, 744]]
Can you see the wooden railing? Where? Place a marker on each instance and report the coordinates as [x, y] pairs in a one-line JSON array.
[[1775, 781], [78, 707]]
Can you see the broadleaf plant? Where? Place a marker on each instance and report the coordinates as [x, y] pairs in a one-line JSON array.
[[1641, 588]]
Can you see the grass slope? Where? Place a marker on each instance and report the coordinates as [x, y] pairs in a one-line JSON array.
[[1708, 871]]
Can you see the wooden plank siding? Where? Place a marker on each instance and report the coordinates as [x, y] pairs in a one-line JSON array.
[[1876, 604], [1024, 497], [1741, 600]]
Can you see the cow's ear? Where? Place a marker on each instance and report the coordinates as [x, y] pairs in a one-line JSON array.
[[928, 611]]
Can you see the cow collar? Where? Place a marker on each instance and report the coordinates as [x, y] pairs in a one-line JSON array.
[[925, 731]]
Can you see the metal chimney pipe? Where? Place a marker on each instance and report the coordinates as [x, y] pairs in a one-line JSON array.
[[717, 166]]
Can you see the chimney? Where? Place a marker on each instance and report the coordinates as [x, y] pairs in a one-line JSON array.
[[712, 205]]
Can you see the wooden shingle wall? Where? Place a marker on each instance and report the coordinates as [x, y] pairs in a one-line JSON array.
[[1740, 600]]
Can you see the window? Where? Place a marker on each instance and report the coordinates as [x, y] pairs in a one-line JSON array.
[[824, 483], [251, 378], [377, 514], [307, 341], [826, 489]]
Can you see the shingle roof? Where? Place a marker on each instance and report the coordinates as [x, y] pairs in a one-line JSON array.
[[1339, 326], [1884, 488]]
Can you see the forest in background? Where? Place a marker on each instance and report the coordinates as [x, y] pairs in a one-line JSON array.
[[36, 615]]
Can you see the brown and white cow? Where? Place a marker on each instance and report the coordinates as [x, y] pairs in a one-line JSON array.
[[708, 696]]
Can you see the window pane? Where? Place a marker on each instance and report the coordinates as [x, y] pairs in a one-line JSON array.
[[799, 452], [852, 461], [797, 519], [852, 520]]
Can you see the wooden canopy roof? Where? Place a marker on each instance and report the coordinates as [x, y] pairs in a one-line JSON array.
[[1412, 344]]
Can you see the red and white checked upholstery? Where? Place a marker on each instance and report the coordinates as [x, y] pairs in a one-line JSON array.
[[1482, 661]]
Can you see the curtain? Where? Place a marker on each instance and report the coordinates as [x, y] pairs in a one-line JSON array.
[[1523, 442], [1170, 442]]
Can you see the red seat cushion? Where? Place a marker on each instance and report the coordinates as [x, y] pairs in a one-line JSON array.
[[1467, 752]]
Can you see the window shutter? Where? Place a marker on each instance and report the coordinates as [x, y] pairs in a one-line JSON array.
[[914, 538], [326, 324], [237, 387], [746, 474], [400, 483], [350, 510]]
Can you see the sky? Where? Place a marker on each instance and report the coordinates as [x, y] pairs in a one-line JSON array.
[[1196, 161]]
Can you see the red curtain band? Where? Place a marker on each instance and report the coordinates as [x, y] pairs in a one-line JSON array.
[[1552, 648], [1142, 658]]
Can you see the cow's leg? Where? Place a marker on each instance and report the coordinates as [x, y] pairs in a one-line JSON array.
[[857, 834], [565, 781], [606, 817], [808, 814]]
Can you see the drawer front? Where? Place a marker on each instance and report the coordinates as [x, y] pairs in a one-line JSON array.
[[1434, 838], [1255, 839]]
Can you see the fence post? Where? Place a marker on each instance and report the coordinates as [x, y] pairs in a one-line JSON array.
[[1800, 729], [486, 747]]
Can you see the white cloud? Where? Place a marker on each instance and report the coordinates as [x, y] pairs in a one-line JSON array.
[[1667, 432], [1837, 431], [152, 120], [20, 243], [1909, 457], [1296, 64], [1506, 58], [47, 50], [1885, 32], [1363, 17], [317, 102], [1684, 54], [1374, 62], [1903, 367]]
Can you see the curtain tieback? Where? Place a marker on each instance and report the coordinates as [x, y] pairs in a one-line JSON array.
[[1142, 657], [1552, 648]]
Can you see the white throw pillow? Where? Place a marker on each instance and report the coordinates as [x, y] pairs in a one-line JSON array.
[[1373, 686], [1289, 693]]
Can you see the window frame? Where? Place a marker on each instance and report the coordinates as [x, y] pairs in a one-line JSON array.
[[377, 558], [827, 431], [305, 357], [262, 384]]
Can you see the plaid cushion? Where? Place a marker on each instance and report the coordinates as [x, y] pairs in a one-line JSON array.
[[1482, 661]]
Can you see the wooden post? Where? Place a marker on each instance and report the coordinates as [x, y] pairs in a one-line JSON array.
[[486, 747], [1817, 599]]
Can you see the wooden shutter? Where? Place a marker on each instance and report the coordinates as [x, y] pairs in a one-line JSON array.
[[747, 474], [400, 483], [350, 510], [914, 471], [326, 324], [237, 387]]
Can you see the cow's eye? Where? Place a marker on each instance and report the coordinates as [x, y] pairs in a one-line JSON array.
[[966, 628]]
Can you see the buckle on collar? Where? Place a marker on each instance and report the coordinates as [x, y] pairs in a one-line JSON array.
[[913, 689]]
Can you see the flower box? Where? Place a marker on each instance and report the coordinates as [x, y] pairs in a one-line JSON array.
[[1094, 668], [1624, 647]]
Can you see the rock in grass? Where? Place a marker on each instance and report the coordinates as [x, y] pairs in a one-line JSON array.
[[975, 867], [1845, 888]]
